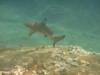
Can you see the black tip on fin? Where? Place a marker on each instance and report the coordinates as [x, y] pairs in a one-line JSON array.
[[45, 19]]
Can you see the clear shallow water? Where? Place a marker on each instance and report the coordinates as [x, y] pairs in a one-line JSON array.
[[79, 20]]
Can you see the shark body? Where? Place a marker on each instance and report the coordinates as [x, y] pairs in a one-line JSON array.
[[40, 27]]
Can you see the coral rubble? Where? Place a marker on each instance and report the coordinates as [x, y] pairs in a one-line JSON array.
[[71, 60]]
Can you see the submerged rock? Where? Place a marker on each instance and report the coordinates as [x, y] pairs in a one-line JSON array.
[[54, 61]]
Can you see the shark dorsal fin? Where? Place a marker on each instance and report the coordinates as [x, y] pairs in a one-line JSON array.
[[43, 22], [45, 19]]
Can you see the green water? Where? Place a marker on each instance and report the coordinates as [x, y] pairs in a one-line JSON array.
[[79, 20]]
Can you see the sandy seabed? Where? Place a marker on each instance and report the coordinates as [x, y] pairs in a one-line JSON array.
[[45, 60]]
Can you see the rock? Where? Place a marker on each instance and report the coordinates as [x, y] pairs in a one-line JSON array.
[[72, 60]]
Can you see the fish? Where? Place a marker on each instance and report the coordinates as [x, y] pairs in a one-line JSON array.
[[56, 39], [40, 27]]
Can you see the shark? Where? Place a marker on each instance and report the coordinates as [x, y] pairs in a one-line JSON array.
[[41, 27]]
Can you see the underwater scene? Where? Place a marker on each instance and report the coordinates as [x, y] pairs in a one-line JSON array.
[[49, 37]]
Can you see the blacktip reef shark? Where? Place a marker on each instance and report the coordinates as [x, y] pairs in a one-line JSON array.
[[42, 28]]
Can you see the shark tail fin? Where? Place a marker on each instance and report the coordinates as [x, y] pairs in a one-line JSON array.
[[56, 39]]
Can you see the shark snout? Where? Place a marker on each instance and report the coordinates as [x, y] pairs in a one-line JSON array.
[[28, 24]]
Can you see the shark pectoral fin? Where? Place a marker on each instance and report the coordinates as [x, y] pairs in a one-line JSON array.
[[45, 35], [30, 33]]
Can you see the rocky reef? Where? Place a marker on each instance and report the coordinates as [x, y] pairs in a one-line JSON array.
[[69, 60]]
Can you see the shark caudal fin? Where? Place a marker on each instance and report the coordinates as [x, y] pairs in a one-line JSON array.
[[57, 39]]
